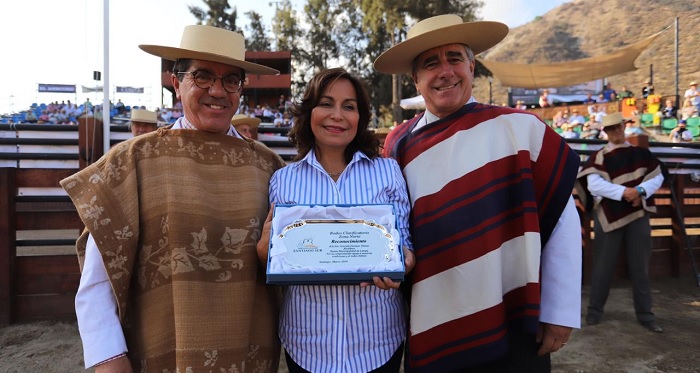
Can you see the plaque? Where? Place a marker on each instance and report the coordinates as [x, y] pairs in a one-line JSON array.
[[334, 244]]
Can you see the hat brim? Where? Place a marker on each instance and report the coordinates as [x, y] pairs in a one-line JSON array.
[[252, 122], [137, 120], [173, 54], [479, 36]]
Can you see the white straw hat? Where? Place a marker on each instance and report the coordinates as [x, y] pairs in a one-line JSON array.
[[239, 119], [210, 44], [144, 116], [434, 32]]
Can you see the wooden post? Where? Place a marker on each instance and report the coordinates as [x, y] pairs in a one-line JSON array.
[[677, 238], [641, 141], [8, 251], [90, 141]]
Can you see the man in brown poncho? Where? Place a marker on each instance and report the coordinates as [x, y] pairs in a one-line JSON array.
[[170, 277]]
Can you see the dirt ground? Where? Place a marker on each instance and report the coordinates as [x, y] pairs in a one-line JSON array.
[[617, 345], [620, 345]]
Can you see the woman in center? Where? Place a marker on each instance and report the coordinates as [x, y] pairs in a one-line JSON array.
[[341, 328]]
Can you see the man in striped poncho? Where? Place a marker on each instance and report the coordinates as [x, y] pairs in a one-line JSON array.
[[497, 240]]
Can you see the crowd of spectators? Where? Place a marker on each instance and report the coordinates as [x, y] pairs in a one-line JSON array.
[[278, 115], [650, 107], [66, 112]]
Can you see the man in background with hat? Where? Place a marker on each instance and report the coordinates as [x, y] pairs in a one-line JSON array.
[[142, 122], [245, 124], [497, 280], [170, 276], [617, 181], [693, 94]]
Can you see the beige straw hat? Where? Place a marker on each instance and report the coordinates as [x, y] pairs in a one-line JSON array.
[[434, 32], [210, 44], [239, 119], [612, 119], [144, 116]]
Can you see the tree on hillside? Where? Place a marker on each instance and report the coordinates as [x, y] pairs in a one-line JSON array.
[[287, 35], [285, 28], [321, 16], [390, 16], [257, 40], [217, 15]]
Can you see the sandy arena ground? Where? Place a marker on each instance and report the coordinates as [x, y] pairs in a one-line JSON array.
[[617, 345]]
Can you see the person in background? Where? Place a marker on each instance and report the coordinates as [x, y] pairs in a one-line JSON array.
[[687, 111], [484, 204], [589, 98], [568, 131], [647, 89], [631, 128], [245, 125], [693, 94], [609, 93], [669, 111], [344, 328], [681, 133], [576, 117], [625, 93], [545, 100], [142, 122], [170, 276], [618, 181]]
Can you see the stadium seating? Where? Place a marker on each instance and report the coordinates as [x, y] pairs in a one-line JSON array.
[[647, 120], [668, 124], [693, 122]]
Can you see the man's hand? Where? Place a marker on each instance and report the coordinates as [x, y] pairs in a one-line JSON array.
[[120, 365], [264, 242], [632, 196], [552, 337]]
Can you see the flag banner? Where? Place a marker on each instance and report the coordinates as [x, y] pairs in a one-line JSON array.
[[59, 88], [92, 89], [129, 89]]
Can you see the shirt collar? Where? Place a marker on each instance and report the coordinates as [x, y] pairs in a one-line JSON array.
[[311, 160], [429, 117], [183, 124]]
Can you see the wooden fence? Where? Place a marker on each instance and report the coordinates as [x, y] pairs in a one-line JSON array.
[[42, 285]]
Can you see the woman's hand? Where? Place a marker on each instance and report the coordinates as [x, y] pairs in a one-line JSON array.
[[386, 283]]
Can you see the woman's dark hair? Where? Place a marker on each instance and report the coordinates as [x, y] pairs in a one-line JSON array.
[[301, 135]]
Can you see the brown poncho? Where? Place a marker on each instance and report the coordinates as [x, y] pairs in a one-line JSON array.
[[176, 215]]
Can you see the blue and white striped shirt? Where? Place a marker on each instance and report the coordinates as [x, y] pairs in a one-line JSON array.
[[343, 328]]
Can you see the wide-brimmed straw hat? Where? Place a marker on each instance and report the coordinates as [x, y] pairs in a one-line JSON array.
[[613, 119], [144, 116], [434, 32], [210, 44], [693, 83], [239, 119]]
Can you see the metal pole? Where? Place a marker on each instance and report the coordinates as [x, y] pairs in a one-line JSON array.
[[105, 87], [678, 104]]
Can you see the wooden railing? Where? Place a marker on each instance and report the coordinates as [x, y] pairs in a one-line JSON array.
[[39, 281]]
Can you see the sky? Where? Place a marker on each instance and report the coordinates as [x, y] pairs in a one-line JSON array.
[[61, 42]]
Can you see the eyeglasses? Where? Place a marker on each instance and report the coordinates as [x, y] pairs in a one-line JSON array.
[[204, 79]]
